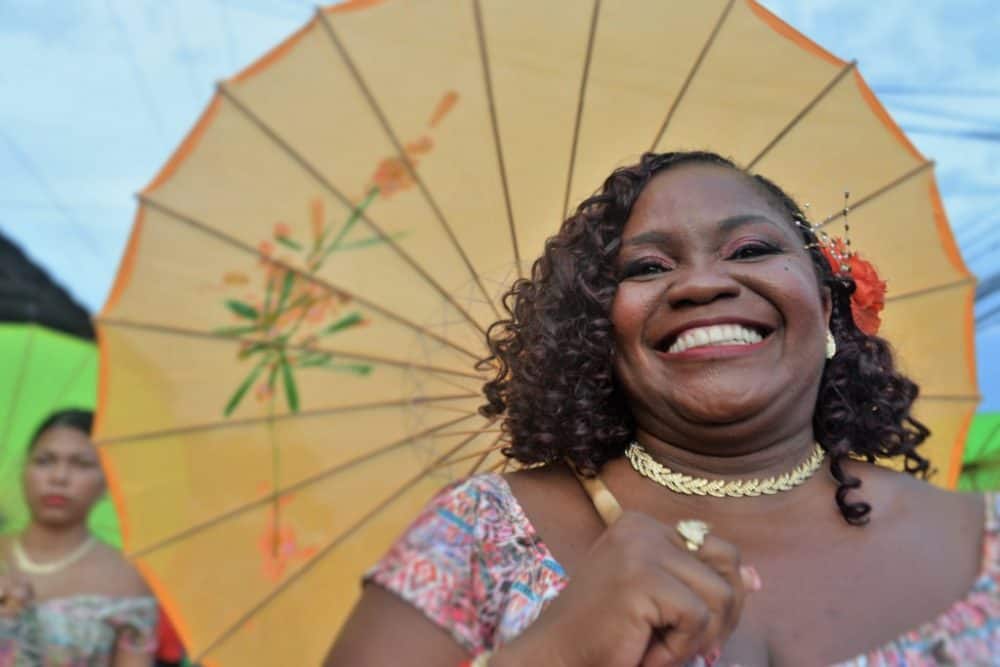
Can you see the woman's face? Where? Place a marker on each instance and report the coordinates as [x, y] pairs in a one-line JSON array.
[[719, 319], [63, 477]]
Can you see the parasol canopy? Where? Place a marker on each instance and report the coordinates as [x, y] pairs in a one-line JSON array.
[[292, 335]]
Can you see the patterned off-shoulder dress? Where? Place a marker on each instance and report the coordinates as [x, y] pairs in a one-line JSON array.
[[79, 631], [474, 565]]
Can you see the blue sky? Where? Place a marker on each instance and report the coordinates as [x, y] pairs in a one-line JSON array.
[[95, 94]]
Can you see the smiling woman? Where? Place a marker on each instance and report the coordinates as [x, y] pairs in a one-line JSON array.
[[687, 315], [65, 598]]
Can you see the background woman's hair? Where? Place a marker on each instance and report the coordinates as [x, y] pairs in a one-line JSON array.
[[81, 420], [555, 386]]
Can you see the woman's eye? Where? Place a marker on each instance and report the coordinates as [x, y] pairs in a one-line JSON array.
[[752, 250], [643, 268]]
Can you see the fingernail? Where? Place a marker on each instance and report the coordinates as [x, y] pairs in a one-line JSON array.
[[752, 578]]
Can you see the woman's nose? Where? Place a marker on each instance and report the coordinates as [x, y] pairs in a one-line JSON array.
[[59, 473], [700, 285]]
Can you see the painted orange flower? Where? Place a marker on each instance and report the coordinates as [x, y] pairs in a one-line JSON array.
[[421, 146], [395, 174], [392, 176], [447, 103], [279, 546], [264, 392]]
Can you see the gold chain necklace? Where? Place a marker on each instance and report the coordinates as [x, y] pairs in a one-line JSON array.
[[28, 566], [646, 466]]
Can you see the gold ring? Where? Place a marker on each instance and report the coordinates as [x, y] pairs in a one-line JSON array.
[[694, 533]]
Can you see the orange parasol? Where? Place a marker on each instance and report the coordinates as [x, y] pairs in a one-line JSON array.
[[287, 367]]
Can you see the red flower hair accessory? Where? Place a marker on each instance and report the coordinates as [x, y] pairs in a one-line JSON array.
[[868, 299]]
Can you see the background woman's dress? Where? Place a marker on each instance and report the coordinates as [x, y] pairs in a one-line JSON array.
[[78, 631]]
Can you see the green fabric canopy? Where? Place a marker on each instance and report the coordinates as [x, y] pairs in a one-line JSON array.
[[981, 464], [42, 371]]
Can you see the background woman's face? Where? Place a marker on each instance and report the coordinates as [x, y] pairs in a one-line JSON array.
[[63, 477], [718, 315]]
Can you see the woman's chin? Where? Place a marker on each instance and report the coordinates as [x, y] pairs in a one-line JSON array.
[[720, 406], [57, 517]]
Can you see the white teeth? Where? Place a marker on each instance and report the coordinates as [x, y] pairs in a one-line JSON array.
[[715, 335]]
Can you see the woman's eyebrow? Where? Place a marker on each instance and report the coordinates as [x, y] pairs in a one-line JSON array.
[[733, 222], [649, 238], [658, 238]]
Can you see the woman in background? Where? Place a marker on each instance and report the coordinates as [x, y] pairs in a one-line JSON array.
[[67, 599]]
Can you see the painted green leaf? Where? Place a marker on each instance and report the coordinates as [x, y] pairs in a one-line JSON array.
[[254, 348], [268, 294], [286, 289], [373, 240], [291, 391], [351, 221], [356, 369], [233, 332], [289, 243], [329, 365], [314, 359], [345, 322], [241, 391], [242, 309]]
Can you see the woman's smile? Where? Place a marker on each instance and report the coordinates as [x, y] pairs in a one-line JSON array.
[[710, 338]]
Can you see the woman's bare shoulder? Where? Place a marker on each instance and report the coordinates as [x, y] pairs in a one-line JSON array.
[[559, 510], [545, 490], [930, 524], [904, 496], [114, 575]]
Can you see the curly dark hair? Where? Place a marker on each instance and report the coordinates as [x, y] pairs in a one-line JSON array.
[[555, 386]]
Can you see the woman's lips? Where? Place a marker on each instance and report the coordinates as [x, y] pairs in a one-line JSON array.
[[54, 500]]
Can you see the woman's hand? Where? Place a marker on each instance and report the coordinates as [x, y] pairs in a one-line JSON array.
[[640, 597], [16, 594]]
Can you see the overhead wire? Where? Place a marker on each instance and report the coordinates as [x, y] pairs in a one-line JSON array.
[[227, 31], [186, 55], [31, 169], [138, 77], [972, 248], [271, 10], [947, 114], [918, 91], [992, 136]]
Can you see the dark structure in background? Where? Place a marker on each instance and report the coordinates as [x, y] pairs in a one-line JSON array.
[[28, 294]]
